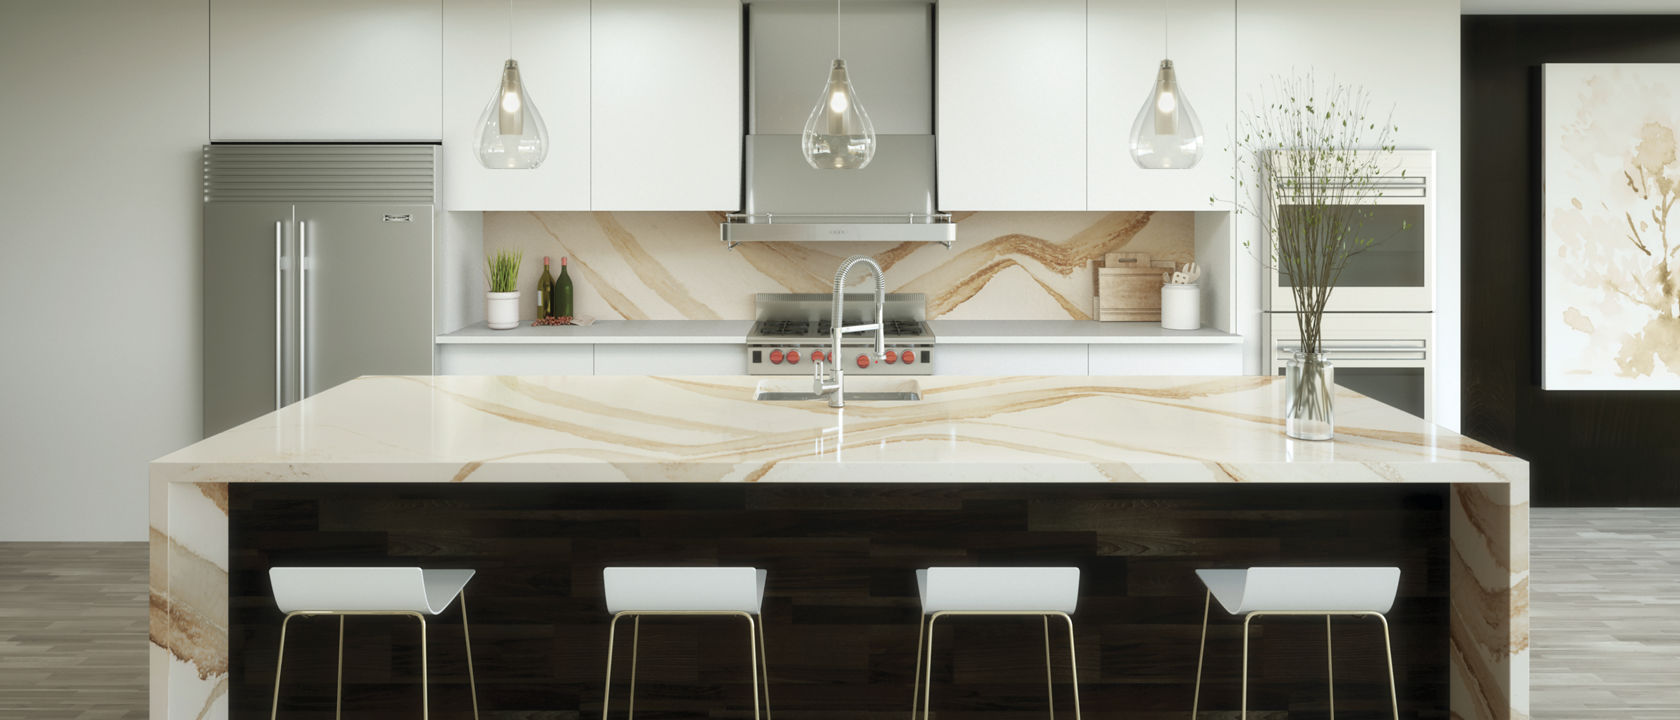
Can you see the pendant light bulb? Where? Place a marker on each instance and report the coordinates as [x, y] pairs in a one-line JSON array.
[[1167, 135], [511, 134]]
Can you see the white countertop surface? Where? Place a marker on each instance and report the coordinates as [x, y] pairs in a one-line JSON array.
[[606, 332], [710, 429], [955, 332], [1072, 332]]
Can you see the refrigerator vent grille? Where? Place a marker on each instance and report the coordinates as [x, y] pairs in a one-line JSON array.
[[320, 173]]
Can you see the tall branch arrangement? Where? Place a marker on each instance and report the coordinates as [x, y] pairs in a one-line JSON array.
[[1309, 164]]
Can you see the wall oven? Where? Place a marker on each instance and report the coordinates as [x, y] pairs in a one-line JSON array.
[[1385, 356], [1397, 273]]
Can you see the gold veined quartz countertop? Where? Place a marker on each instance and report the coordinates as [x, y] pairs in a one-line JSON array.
[[710, 429]]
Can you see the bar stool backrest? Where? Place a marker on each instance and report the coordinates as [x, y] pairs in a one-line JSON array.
[[999, 589], [350, 589], [1320, 589], [683, 589]]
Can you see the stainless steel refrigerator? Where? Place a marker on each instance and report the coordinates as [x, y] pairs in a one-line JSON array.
[[317, 269]]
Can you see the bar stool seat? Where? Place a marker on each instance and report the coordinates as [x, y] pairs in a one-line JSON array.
[[1328, 591], [632, 592], [958, 591], [345, 591]]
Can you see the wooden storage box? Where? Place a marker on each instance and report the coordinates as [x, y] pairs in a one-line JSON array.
[[1128, 288]]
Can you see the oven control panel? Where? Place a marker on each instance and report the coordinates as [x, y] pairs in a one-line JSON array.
[[801, 358]]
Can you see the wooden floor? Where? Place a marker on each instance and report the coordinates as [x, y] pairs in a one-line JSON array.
[[1605, 594], [1605, 598], [73, 631]]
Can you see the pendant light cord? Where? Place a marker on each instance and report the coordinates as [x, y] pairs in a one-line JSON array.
[[1166, 29], [510, 29], [837, 53]]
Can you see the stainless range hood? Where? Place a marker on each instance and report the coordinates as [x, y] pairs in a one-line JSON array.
[[889, 53]]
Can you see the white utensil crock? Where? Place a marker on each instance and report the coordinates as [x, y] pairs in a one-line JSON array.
[[1181, 307]]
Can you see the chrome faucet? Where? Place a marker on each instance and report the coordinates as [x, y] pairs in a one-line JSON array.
[[834, 387]]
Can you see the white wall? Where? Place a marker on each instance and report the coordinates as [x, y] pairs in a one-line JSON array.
[[103, 107], [1406, 54]]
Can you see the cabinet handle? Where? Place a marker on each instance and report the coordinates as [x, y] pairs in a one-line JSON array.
[[279, 330], [303, 309]]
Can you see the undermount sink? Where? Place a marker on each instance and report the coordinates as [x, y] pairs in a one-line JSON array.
[[862, 389]]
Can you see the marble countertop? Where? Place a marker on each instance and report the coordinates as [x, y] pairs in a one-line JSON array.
[[1072, 332], [710, 429], [606, 332], [955, 332]]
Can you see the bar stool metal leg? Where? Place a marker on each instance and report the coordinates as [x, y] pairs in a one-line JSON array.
[[279, 662], [1244, 713], [1073, 665], [916, 677], [927, 689], [612, 633], [1388, 648], [425, 680], [466, 635], [1330, 659], [1201, 654], [764, 662], [1049, 676], [635, 651], [338, 699]]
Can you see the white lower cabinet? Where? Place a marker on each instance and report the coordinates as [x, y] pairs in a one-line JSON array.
[[967, 359], [533, 359], [1167, 359], [723, 359]]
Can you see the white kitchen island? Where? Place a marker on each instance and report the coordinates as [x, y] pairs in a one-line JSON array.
[[636, 429]]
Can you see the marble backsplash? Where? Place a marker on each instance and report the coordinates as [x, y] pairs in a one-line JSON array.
[[671, 265]]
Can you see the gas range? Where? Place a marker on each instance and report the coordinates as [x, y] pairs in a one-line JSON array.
[[792, 330]]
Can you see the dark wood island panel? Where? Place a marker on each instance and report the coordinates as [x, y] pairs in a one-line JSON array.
[[841, 604]]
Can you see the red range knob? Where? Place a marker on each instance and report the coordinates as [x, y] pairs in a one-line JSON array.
[[817, 356], [909, 356], [890, 357], [775, 357], [793, 357], [863, 360]]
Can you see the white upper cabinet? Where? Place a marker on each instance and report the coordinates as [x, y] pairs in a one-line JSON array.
[[1011, 105], [326, 70], [666, 103], [1128, 41], [550, 40]]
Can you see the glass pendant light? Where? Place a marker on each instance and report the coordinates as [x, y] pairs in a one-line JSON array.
[[838, 135], [511, 135], [1166, 134]]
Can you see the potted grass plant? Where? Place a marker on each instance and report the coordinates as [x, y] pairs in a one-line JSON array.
[[501, 303], [1310, 159]]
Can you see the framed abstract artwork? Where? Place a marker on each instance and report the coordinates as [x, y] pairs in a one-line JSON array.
[[1611, 234]]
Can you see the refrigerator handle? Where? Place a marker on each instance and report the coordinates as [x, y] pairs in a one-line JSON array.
[[279, 332], [303, 309]]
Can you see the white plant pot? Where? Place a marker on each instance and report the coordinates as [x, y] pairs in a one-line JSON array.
[[501, 310], [1181, 307]]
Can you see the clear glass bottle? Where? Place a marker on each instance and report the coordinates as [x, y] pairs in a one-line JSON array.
[[1310, 391], [838, 134], [1167, 135], [511, 134]]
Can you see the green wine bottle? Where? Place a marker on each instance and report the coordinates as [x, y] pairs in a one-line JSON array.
[[545, 292], [563, 292]]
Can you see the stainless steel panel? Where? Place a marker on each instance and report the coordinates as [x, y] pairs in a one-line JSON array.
[[888, 47], [898, 182], [368, 298], [242, 320], [325, 173]]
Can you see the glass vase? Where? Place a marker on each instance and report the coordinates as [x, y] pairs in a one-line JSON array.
[[1310, 409]]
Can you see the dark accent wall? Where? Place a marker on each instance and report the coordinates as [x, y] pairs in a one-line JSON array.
[[841, 603], [1584, 448]]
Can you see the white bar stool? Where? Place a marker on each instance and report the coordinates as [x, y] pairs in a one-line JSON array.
[[951, 591], [343, 591], [685, 591], [1328, 591]]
